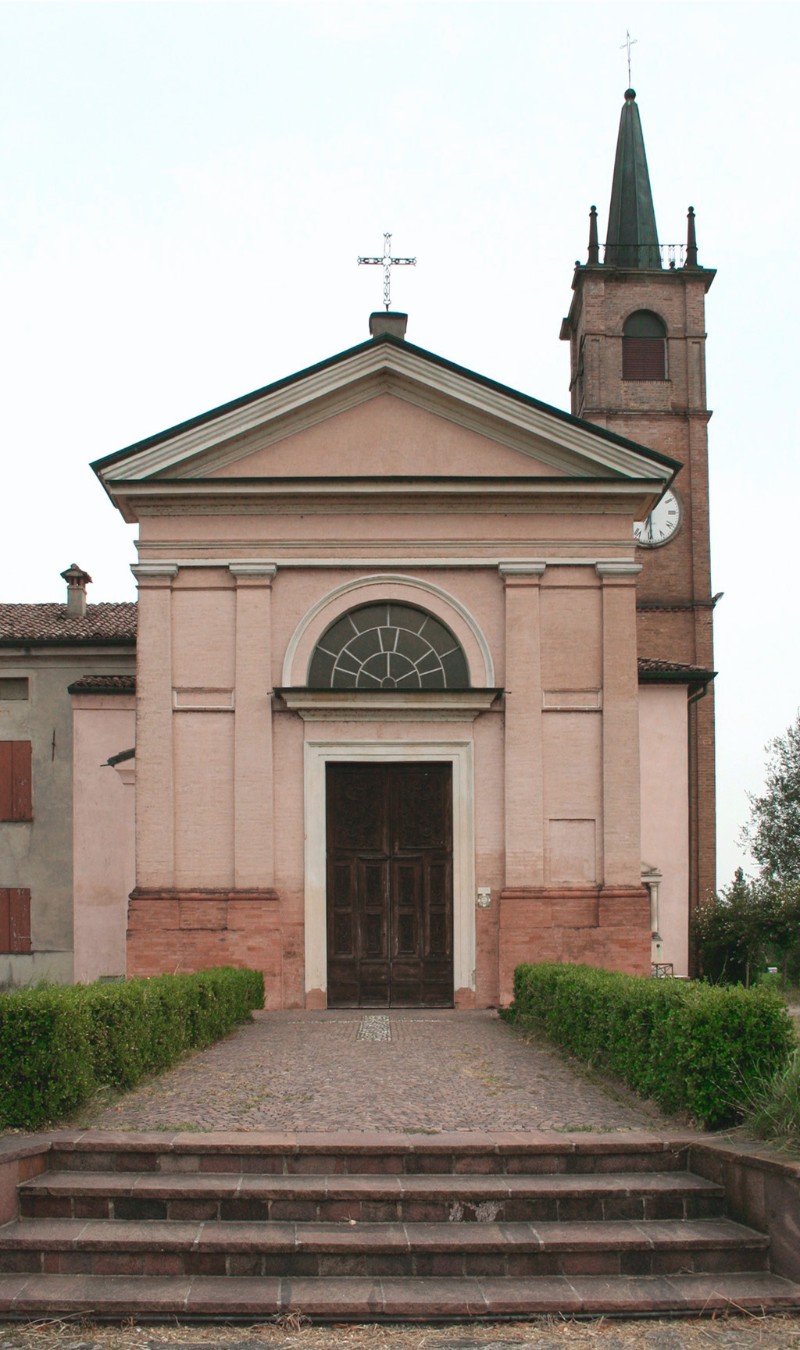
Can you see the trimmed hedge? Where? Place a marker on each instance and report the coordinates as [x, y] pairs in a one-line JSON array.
[[59, 1044], [691, 1047]]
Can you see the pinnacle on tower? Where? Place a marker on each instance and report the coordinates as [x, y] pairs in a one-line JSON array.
[[632, 239]]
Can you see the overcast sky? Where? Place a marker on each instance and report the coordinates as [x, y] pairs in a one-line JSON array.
[[187, 186]]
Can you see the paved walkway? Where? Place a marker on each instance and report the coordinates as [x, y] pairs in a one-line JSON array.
[[409, 1070]]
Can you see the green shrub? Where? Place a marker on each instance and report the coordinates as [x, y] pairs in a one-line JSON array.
[[59, 1044], [45, 1071], [692, 1047]]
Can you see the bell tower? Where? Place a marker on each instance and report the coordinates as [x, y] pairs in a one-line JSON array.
[[637, 338]]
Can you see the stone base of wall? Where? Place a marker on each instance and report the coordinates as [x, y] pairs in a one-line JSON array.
[[605, 926], [173, 932]]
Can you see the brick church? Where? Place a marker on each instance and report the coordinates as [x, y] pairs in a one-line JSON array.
[[418, 683]]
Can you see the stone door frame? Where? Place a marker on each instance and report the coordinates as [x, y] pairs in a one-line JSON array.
[[460, 755]]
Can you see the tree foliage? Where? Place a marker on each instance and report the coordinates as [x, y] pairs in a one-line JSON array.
[[773, 834], [747, 926]]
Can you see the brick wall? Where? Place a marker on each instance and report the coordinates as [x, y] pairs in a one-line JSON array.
[[671, 416], [594, 926]]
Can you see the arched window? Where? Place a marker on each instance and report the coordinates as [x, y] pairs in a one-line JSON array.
[[388, 646], [644, 347]]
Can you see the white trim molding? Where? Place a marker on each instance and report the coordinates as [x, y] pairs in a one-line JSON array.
[[318, 754], [387, 705]]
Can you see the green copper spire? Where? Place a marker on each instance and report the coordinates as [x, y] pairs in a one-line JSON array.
[[632, 239]]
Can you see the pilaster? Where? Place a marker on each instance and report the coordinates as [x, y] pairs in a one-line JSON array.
[[155, 807], [524, 825], [253, 786], [621, 791]]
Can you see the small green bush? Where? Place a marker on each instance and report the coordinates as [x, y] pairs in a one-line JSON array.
[[691, 1047], [58, 1045]]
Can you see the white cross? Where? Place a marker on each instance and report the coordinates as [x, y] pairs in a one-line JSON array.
[[387, 262], [629, 42]]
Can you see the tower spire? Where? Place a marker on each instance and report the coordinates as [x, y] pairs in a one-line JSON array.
[[632, 239]]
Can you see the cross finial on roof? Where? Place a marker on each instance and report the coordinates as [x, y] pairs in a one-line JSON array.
[[629, 42], [387, 262]]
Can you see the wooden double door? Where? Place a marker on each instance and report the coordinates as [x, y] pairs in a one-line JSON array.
[[390, 885]]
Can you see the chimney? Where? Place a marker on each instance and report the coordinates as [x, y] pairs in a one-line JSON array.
[[77, 580], [387, 322]]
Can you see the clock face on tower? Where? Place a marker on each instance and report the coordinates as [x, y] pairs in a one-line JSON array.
[[662, 523]]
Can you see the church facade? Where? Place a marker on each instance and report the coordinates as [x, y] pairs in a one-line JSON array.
[[420, 665]]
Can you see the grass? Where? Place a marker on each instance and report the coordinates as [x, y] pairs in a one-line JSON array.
[[773, 1111]]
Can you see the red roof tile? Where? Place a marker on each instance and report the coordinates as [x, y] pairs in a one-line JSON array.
[[104, 684], [675, 670], [34, 624]]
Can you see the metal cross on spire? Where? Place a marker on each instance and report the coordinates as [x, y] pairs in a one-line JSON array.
[[629, 42], [387, 262]]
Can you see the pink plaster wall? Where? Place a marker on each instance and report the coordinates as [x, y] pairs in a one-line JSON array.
[[203, 616], [571, 629], [306, 531], [663, 732], [203, 760], [573, 798], [385, 435], [103, 834]]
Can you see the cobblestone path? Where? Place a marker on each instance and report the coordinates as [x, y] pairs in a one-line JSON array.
[[414, 1070]]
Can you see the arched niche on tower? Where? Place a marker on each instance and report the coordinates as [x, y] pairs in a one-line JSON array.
[[644, 346]]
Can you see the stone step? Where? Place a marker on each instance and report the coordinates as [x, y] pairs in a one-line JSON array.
[[420, 1198], [105, 1247], [340, 1152], [372, 1299]]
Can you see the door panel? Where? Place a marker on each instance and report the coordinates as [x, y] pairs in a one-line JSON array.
[[390, 889]]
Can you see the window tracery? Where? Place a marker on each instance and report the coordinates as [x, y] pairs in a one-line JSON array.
[[388, 646]]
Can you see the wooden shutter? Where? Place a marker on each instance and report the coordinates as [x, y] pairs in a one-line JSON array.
[[15, 920], [643, 358], [15, 781]]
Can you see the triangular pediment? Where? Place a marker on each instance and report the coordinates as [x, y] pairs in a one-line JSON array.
[[381, 410], [384, 436]]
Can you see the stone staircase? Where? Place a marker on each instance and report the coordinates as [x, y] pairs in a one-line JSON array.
[[364, 1227]]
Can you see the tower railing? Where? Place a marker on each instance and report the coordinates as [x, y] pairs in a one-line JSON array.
[[672, 255]]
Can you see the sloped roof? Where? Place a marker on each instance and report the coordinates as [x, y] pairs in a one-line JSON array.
[[107, 623], [632, 239], [104, 684], [655, 671], [406, 365]]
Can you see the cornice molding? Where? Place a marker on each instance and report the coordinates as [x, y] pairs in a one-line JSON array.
[[532, 570], [245, 571], [162, 572], [416, 496], [612, 570]]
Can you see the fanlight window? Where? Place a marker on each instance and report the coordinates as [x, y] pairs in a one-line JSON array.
[[644, 347], [388, 646]]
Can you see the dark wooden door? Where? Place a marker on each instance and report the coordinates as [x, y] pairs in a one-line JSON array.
[[390, 885]]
